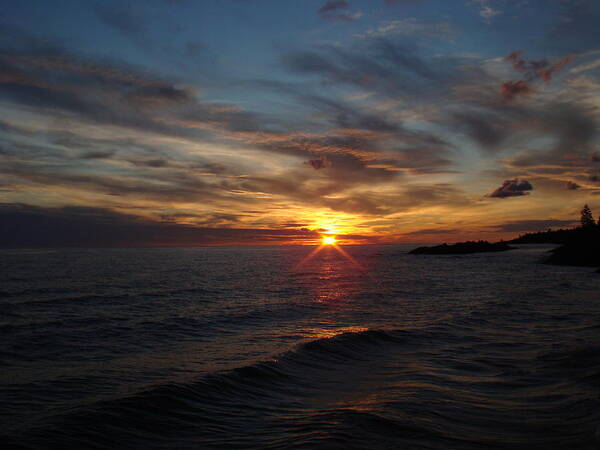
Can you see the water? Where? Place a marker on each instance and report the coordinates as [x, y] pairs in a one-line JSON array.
[[241, 347]]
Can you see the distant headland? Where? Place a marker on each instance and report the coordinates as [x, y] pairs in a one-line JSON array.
[[462, 248], [579, 246]]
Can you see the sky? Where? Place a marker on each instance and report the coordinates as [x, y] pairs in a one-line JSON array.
[[216, 122]]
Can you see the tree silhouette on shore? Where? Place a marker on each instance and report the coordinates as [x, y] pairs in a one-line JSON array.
[[587, 220]]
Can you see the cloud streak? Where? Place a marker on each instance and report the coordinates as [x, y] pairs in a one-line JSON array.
[[30, 226]]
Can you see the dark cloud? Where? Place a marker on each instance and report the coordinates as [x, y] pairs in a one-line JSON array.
[[569, 129], [533, 70], [359, 139], [406, 199], [98, 155], [152, 163], [134, 100], [295, 225], [350, 186], [571, 186], [333, 5], [487, 128], [31, 226], [362, 148], [68, 86], [396, 71], [432, 231], [337, 10], [319, 163], [512, 188], [385, 66], [547, 73], [512, 89], [362, 144], [537, 69], [523, 226], [530, 68], [166, 185], [436, 194]]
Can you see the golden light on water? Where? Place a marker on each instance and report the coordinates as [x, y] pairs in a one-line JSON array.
[[329, 241]]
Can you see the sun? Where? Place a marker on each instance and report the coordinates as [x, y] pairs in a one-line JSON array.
[[328, 240]]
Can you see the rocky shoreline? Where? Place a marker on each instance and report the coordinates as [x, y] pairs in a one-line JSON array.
[[463, 248]]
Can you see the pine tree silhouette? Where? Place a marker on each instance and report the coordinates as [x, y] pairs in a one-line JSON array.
[[587, 220]]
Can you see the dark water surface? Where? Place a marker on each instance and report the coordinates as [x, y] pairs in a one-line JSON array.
[[240, 348]]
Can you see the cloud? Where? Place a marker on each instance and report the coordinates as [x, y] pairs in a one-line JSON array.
[[377, 143], [394, 71], [98, 154], [546, 74], [384, 66], [411, 27], [512, 89], [486, 11], [347, 109], [585, 67], [537, 69], [512, 188], [570, 130], [70, 87], [533, 70], [336, 10], [532, 225], [361, 147], [319, 163], [433, 231], [333, 5], [32, 226], [571, 186], [488, 128], [556, 131]]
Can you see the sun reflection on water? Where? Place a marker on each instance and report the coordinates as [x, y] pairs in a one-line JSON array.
[[331, 274]]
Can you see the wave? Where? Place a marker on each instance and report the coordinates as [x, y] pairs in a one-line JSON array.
[[360, 389]]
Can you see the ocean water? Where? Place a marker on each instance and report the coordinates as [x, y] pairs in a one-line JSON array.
[[259, 347]]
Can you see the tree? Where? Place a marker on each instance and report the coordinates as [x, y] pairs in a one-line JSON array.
[[587, 220]]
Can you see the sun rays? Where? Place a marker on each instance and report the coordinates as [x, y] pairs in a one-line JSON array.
[[329, 241]]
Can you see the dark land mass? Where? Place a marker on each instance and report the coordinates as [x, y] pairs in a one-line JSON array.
[[562, 236], [462, 248], [582, 250], [578, 246]]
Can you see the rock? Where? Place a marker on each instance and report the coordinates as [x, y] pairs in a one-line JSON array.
[[462, 248], [578, 253]]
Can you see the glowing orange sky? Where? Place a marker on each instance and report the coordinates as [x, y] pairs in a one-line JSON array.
[[385, 122]]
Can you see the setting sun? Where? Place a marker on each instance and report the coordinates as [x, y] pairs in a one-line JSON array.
[[328, 240]]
